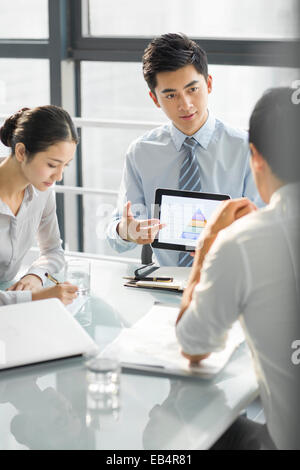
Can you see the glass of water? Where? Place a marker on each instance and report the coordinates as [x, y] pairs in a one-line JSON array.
[[103, 383], [78, 272]]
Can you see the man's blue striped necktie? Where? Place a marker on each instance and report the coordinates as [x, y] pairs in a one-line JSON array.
[[189, 180]]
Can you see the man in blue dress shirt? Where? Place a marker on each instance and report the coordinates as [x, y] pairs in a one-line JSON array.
[[175, 69]]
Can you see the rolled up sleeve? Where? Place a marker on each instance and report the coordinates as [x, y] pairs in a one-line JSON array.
[[217, 301]]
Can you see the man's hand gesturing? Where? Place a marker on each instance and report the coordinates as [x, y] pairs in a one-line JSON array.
[[141, 232]]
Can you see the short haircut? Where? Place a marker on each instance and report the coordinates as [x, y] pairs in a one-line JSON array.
[[171, 52], [275, 132]]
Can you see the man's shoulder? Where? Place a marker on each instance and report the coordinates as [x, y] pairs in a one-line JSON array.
[[156, 136], [231, 133], [247, 228]]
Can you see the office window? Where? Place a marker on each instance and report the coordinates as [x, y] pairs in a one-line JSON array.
[[197, 18], [102, 163], [96, 214], [112, 90], [23, 83], [236, 89], [103, 155], [116, 90], [24, 19]]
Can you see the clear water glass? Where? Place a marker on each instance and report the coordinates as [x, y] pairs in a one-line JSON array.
[[103, 383], [78, 272]]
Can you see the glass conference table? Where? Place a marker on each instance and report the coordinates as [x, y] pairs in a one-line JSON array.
[[46, 406]]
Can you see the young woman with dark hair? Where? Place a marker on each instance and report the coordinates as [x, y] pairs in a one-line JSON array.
[[43, 142]]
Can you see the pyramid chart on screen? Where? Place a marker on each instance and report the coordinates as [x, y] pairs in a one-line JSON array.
[[193, 229]]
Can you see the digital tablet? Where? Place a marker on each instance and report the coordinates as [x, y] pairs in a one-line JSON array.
[[185, 214]]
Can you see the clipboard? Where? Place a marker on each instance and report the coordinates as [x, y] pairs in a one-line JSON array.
[[156, 285]]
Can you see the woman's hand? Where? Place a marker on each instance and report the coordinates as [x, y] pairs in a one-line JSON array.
[[28, 282], [65, 292]]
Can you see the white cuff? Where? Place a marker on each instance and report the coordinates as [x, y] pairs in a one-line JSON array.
[[40, 272], [23, 296]]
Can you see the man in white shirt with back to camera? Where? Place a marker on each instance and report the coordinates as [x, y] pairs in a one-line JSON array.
[[248, 269]]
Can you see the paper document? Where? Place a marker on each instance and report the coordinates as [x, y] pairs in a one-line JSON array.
[[151, 344]]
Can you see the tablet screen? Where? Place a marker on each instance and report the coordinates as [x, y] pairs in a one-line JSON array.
[[185, 215]]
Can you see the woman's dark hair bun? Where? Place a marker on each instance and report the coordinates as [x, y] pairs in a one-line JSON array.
[[37, 129], [9, 126]]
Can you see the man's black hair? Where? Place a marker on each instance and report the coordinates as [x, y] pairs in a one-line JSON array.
[[275, 131], [171, 52]]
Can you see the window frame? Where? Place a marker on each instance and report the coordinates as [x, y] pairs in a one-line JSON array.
[[221, 51]]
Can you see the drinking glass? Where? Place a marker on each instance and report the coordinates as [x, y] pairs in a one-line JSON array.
[[103, 382], [78, 272]]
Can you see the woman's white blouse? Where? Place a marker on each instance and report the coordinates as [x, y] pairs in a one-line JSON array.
[[36, 219]]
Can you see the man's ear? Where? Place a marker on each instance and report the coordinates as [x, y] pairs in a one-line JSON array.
[[154, 99], [257, 159], [209, 82], [20, 152]]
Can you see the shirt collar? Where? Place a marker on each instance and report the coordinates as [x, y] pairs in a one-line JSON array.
[[4, 209], [30, 193], [290, 191], [202, 136]]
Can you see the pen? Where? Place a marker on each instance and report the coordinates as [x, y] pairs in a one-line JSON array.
[[161, 279], [51, 278], [128, 365]]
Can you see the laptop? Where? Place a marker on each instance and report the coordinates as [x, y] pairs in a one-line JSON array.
[[40, 331]]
